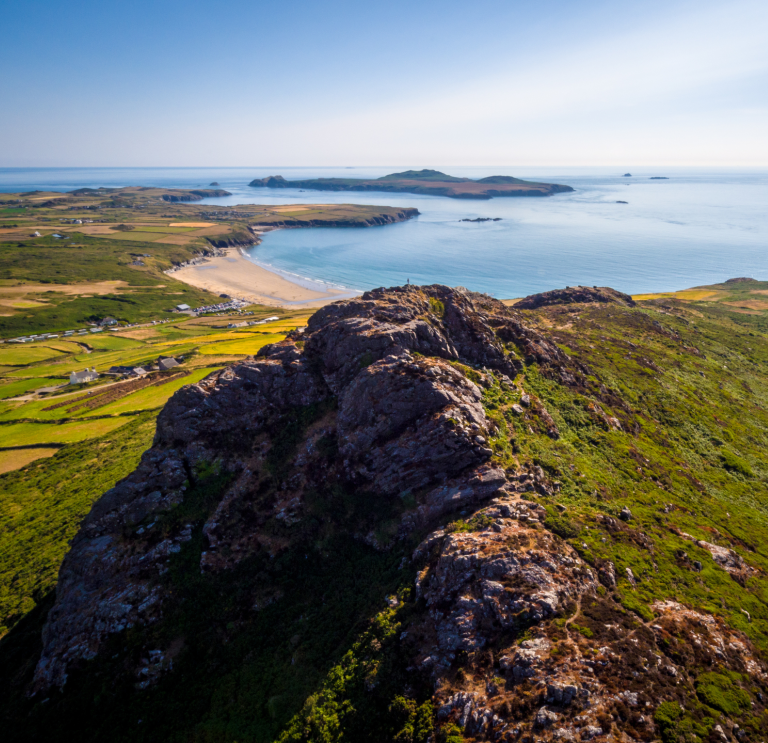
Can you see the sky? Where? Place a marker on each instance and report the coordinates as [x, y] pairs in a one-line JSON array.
[[340, 83]]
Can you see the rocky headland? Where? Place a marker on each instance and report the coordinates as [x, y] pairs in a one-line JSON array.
[[385, 452]]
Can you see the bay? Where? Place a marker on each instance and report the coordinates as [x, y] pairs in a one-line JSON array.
[[701, 226]]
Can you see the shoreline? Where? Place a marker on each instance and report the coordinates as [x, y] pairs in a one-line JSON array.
[[240, 277]]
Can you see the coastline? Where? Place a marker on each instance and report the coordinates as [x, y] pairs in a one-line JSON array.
[[238, 276]]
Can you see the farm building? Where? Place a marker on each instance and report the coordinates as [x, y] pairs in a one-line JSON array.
[[166, 363]]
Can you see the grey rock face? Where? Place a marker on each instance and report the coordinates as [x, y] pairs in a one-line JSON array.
[[404, 422]]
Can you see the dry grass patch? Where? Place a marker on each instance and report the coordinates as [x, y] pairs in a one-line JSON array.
[[15, 459], [96, 287], [750, 304]]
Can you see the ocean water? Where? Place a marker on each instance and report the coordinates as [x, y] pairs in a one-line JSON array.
[[699, 227]]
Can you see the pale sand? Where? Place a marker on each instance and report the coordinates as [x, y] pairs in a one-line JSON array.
[[235, 275]]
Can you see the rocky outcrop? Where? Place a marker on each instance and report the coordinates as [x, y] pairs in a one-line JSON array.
[[376, 427], [242, 238], [390, 369], [575, 295]]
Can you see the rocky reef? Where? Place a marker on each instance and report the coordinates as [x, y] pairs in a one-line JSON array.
[[379, 426]]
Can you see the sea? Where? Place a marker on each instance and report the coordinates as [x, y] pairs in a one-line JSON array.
[[698, 226]]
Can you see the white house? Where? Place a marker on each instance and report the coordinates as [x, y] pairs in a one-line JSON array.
[[182, 307], [87, 375]]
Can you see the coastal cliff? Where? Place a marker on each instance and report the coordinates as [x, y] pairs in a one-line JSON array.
[[367, 218], [372, 220], [428, 516]]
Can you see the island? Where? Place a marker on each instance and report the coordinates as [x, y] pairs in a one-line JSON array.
[[427, 182]]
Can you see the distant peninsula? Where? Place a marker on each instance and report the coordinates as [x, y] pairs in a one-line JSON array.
[[429, 182]]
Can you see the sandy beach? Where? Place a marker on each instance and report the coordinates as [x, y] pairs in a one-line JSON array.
[[237, 276]]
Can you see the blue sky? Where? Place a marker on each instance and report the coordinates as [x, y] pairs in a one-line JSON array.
[[341, 83]]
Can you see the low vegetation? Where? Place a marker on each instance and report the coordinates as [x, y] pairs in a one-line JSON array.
[[656, 465]]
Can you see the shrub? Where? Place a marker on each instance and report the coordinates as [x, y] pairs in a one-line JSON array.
[[735, 464], [719, 691], [561, 526], [450, 734], [476, 523], [585, 631], [437, 306]]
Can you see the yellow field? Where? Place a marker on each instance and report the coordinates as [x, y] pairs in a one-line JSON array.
[[244, 346], [692, 295]]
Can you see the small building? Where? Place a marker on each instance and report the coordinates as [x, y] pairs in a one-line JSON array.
[[108, 321], [183, 307], [166, 363], [139, 371], [87, 375], [120, 370]]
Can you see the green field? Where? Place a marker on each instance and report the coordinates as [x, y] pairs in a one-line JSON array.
[[35, 434], [41, 507], [24, 385], [20, 355], [151, 397], [111, 342], [47, 490]]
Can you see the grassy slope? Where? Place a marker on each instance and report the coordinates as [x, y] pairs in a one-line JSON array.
[[695, 437], [41, 507], [688, 458]]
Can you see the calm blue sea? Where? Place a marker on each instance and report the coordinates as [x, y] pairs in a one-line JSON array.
[[701, 226]]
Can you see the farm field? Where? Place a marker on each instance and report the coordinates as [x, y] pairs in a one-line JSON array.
[[33, 434], [74, 413]]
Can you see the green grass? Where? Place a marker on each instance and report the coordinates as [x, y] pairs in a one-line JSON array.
[[697, 442], [111, 342], [33, 434], [14, 389], [66, 312], [20, 355], [41, 507], [150, 397]]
